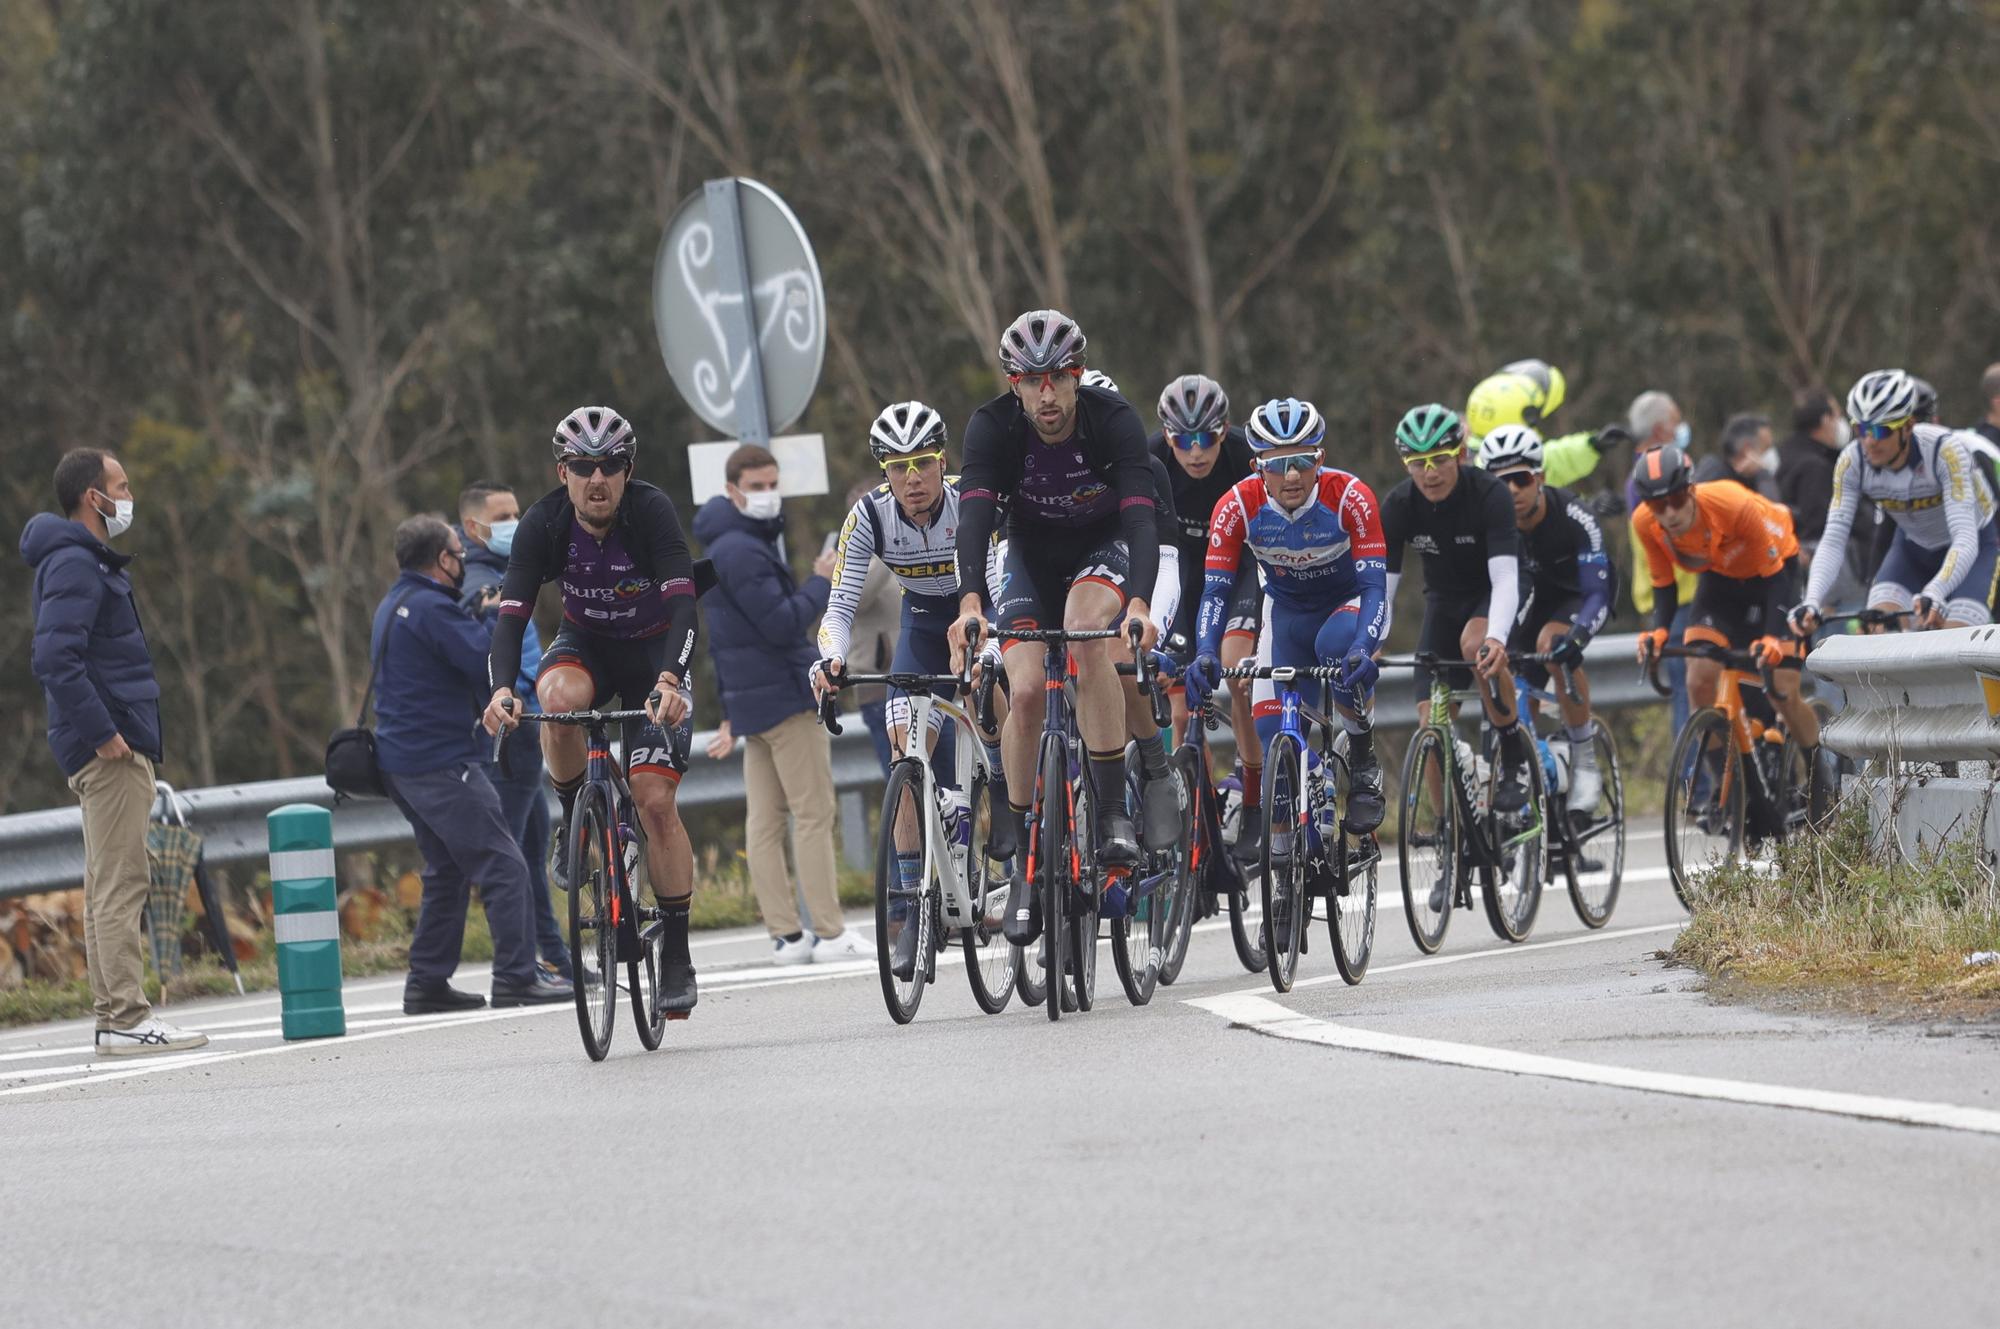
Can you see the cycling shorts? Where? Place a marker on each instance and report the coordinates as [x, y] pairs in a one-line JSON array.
[[1041, 568], [922, 648], [1540, 611], [1445, 617], [1300, 639], [1908, 567], [1735, 611], [629, 669]]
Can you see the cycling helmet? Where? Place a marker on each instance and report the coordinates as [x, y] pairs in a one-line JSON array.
[[1884, 397], [1661, 472], [1927, 404], [903, 429], [1511, 447], [595, 431], [1427, 429], [1097, 378], [1525, 392], [1039, 341], [1193, 403], [1285, 422]]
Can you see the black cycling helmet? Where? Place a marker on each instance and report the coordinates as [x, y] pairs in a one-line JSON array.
[[1661, 472]]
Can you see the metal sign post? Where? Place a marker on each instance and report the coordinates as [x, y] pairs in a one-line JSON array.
[[732, 266]]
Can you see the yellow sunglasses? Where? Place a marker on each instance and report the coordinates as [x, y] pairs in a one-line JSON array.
[[1429, 460], [910, 465]]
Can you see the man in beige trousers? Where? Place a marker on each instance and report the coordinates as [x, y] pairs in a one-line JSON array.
[[104, 727], [760, 631]]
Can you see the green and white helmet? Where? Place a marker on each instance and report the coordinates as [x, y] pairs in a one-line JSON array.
[[1427, 429]]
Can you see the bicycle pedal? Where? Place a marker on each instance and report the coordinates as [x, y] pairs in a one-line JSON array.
[[678, 1015]]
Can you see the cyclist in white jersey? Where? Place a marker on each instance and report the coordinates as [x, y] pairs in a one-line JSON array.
[[1943, 558]]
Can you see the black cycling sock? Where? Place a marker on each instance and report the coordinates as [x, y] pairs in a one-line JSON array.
[[676, 935], [1153, 757], [1107, 780], [566, 794], [1020, 816]]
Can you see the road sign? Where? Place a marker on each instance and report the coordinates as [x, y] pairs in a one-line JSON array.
[[801, 466], [736, 235]]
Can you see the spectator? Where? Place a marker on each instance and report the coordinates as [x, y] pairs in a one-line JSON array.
[[488, 512], [1984, 436], [104, 727], [878, 622], [431, 688], [760, 631], [1747, 456], [1656, 421]]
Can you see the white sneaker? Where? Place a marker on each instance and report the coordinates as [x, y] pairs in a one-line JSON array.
[[792, 952], [149, 1036], [846, 946]]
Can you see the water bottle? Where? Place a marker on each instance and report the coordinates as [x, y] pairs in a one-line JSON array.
[[1471, 773], [630, 843], [1326, 825], [1230, 790], [1555, 766], [956, 810]]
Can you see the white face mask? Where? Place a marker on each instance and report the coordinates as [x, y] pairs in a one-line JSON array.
[[1768, 463], [1843, 433], [762, 505], [120, 520], [1681, 435]]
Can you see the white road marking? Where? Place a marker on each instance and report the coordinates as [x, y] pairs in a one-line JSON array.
[[1264, 1016]]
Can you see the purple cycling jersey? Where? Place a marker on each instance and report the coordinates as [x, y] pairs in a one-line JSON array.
[[604, 592], [1059, 488]]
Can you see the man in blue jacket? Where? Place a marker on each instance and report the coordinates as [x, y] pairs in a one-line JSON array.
[[104, 728], [760, 629], [431, 688]]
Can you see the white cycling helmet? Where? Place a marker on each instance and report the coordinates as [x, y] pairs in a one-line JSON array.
[[594, 431], [906, 428], [1511, 447], [1884, 397], [1097, 378]]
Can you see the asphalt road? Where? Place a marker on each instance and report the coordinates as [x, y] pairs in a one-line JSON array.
[[1560, 1132]]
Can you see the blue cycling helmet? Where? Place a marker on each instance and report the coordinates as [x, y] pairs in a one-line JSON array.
[[1285, 422]]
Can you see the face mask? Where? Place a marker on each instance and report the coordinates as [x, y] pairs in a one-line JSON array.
[[120, 520], [457, 578], [1768, 463], [1843, 433], [763, 505], [1681, 435], [500, 537]]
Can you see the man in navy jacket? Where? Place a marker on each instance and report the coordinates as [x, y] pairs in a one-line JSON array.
[[760, 630], [431, 688], [104, 727]]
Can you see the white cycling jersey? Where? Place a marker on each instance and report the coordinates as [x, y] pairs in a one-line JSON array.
[[1939, 499], [924, 559]]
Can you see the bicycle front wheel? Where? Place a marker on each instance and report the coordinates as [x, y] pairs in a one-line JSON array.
[[1350, 908], [989, 961], [1137, 935], [1190, 858], [1593, 838], [1080, 887], [1053, 851], [902, 912], [1284, 859], [1704, 818], [1427, 839], [593, 920], [1512, 891], [645, 975]]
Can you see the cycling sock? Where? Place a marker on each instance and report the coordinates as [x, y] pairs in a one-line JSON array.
[[566, 794], [1020, 816], [1153, 757], [909, 867], [1579, 734], [675, 914], [1253, 784], [1360, 746], [1107, 781], [993, 760]]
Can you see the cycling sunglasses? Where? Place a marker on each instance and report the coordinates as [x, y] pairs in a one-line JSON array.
[[1521, 479], [1673, 502], [910, 465], [1876, 431], [1430, 461], [1036, 382], [1195, 440], [1305, 461], [589, 466]]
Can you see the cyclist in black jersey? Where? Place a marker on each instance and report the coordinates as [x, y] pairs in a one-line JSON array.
[[628, 595], [1071, 464], [1566, 581], [1462, 521], [1206, 456]]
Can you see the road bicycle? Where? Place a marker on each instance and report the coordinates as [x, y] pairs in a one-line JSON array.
[[1736, 779], [1587, 845], [605, 850], [1448, 831], [1308, 851], [1215, 880], [1155, 907], [958, 890]]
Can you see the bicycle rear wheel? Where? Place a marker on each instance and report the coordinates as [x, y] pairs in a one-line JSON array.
[[645, 975], [901, 909], [1190, 858], [1137, 938], [1080, 889], [593, 920], [1427, 839], [1283, 859], [1350, 908], [989, 961], [1512, 891], [1704, 817], [1593, 838]]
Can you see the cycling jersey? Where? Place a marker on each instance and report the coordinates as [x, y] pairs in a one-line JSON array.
[[1939, 500], [1038, 575], [1737, 535], [636, 582], [1195, 500], [1095, 481], [1564, 563], [1315, 558], [1469, 542], [922, 557]]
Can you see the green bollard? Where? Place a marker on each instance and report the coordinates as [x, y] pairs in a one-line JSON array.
[[303, 900]]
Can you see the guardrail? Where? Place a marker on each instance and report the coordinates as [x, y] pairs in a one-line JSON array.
[[42, 851]]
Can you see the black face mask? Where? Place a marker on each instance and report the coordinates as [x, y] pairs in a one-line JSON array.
[[458, 581]]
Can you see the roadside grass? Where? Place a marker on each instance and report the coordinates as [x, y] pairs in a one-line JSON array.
[[1842, 923]]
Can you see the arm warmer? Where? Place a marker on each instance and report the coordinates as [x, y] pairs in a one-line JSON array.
[[1832, 549], [853, 551]]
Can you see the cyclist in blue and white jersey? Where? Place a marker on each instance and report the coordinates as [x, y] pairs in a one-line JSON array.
[[1317, 534], [1944, 558]]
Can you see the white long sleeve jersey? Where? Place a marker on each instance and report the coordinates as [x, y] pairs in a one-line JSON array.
[[923, 558], [1939, 500]]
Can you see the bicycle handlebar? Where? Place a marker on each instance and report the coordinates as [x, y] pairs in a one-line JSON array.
[[1740, 661], [578, 719]]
